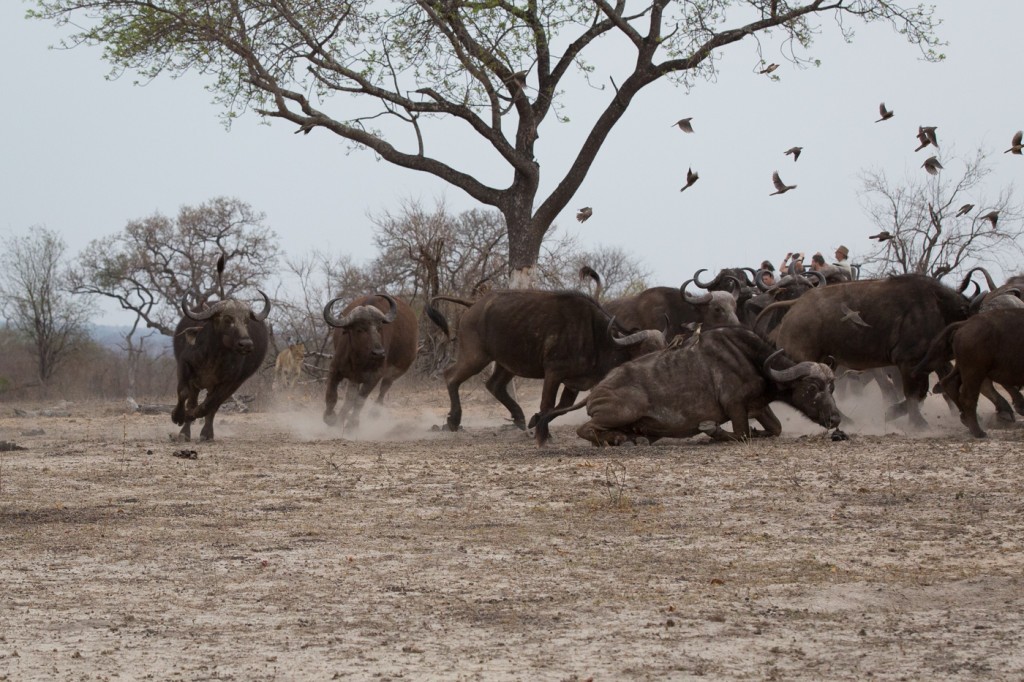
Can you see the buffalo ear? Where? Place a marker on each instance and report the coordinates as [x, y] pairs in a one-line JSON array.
[[830, 361], [190, 335]]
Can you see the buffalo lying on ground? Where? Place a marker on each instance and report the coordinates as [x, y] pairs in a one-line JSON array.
[[563, 337], [872, 323], [986, 349], [375, 342], [725, 374], [218, 354]]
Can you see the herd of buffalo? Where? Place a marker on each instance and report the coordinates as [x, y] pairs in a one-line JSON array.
[[666, 362]]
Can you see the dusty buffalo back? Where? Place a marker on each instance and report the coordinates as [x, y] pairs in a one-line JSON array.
[[528, 332], [870, 323]]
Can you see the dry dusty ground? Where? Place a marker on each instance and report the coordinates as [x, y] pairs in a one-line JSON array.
[[285, 552]]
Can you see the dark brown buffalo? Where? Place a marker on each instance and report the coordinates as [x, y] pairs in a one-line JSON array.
[[562, 337], [375, 341], [986, 349], [726, 374], [675, 311], [872, 323], [218, 354]]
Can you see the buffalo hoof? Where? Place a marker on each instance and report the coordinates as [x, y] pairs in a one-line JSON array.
[[330, 418], [896, 411], [1005, 416], [178, 416], [179, 437], [838, 435]]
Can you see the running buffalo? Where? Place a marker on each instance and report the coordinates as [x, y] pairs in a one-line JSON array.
[[217, 349], [871, 323], [375, 342], [986, 348], [725, 374]]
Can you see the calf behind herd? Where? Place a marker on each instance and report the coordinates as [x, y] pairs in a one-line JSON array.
[[662, 363]]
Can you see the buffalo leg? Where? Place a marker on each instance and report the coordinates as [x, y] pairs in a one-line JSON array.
[[970, 387], [601, 437], [1003, 410], [354, 402], [497, 385], [770, 422], [454, 377], [547, 402], [331, 398]]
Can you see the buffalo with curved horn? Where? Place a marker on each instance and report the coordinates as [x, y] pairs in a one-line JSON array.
[[726, 374], [218, 354], [375, 341]]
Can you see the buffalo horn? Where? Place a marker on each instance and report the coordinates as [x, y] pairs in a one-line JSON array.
[[392, 313], [331, 320], [967, 278], [262, 315], [637, 337], [690, 298], [199, 315], [753, 273], [739, 285], [793, 373], [703, 285], [759, 280], [818, 276]]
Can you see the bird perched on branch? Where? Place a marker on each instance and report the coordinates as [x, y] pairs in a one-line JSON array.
[[304, 129], [964, 210], [780, 186], [882, 236], [1015, 147], [886, 114], [584, 213], [991, 216], [691, 178], [684, 124], [795, 151], [932, 165]]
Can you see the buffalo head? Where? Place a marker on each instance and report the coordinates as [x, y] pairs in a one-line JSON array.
[[807, 386], [229, 320], [363, 325], [718, 308]]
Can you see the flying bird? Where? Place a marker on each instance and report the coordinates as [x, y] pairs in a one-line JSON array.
[[1016, 146], [768, 69], [851, 316], [932, 165], [882, 236], [992, 216], [584, 213], [691, 178], [926, 136], [684, 124], [964, 210], [886, 114], [795, 151], [780, 186]]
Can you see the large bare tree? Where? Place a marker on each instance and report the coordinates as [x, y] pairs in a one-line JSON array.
[[387, 75], [937, 225], [154, 262], [36, 301]]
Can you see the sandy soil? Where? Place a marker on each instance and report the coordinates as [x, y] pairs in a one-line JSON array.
[[286, 552]]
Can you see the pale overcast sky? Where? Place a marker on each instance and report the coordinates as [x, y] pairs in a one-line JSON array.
[[83, 155]]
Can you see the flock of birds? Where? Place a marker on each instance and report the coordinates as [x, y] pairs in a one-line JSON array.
[[926, 136]]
